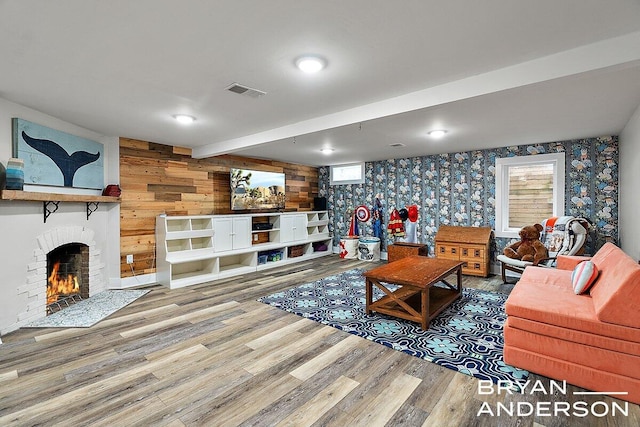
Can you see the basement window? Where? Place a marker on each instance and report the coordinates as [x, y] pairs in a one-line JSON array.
[[352, 173], [529, 189]]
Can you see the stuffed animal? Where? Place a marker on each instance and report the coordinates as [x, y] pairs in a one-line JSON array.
[[529, 248]]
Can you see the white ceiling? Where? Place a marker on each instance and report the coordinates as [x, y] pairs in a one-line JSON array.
[[492, 72]]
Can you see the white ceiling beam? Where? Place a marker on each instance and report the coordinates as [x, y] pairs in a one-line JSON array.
[[607, 53]]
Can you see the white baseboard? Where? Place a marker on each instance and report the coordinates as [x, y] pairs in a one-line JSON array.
[[132, 282]]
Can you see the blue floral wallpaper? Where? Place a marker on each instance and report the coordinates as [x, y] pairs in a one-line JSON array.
[[459, 189]]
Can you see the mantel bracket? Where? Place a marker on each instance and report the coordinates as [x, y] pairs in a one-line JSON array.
[[49, 208], [91, 208]]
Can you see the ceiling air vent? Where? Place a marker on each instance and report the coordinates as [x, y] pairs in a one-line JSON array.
[[245, 90], [397, 144]]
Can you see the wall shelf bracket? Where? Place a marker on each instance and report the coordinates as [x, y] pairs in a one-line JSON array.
[[49, 207], [91, 208]]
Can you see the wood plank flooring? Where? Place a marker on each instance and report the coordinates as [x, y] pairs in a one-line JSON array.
[[211, 355]]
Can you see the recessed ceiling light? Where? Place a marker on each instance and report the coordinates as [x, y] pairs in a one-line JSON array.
[[439, 133], [310, 64], [184, 119], [327, 150]]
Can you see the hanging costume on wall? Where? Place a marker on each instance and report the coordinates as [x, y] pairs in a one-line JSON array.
[[395, 227], [376, 215], [412, 224], [353, 226]]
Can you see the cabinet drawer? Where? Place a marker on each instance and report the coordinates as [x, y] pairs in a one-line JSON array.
[[444, 250], [475, 268], [472, 253]]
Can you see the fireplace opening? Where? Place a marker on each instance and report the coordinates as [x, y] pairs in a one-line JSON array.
[[67, 276]]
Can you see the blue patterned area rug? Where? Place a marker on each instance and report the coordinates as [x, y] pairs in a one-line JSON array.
[[466, 337]]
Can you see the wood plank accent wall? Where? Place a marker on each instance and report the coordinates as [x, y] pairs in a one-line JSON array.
[[157, 178]]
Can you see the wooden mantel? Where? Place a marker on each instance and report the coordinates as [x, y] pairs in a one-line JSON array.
[[55, 197], [50, 201]]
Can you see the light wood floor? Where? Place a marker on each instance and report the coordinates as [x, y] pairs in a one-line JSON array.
[[212, 355]]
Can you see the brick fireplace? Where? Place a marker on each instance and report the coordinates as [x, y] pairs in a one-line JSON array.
[[59, 240]]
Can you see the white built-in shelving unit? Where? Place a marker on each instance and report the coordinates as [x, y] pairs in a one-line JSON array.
[[203, 248]]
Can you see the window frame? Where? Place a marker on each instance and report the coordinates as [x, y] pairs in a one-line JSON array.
[[335, 181], [557, 160]]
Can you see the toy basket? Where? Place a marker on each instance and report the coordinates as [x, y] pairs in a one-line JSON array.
[[296, 251]]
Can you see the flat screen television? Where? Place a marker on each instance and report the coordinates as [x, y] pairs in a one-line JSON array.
[[252, 189]]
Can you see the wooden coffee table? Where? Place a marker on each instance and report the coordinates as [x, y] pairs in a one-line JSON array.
[[416, 299]]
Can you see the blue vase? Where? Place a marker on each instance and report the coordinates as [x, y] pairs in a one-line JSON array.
[[15, 174]]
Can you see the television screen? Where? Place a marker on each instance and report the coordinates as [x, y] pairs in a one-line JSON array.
[[251, 189]]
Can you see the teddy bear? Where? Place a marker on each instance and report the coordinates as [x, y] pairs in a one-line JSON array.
[[529, 248]]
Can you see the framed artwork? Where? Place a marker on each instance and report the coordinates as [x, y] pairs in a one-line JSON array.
[[56, 158]]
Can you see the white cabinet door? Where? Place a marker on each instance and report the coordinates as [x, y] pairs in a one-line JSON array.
[[286, 228], [241, 232], [293, 228], [222, 234], [300, 232], [231, 233]]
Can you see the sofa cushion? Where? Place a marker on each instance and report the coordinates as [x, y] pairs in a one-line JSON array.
[[583, 276], [629, 344], [585, 355], [545, 295], [569, 262], [582, 376], [616, 293]]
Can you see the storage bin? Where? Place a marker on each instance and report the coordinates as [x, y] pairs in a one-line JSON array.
[[369, 249], [296, 251], [262, 259], [274, 256], [349, 247], [320, 247], [261, 237]]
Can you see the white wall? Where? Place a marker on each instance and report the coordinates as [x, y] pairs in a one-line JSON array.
[[629, 184], [21, 221]]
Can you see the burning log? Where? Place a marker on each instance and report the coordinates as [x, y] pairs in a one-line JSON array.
[[61, 285]]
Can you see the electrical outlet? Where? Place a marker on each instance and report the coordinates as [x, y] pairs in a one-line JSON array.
[[130, 259]]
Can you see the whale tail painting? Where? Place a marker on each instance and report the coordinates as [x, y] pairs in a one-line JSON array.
[[68, 164], [56, 158]]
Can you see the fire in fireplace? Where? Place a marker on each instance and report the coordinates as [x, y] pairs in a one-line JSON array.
[[67, 276]]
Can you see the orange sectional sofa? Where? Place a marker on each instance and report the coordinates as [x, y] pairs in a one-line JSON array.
[[590, 340]]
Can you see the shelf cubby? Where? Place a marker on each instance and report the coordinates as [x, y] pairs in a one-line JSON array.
[[201, 243], [178, 245], [201, 224], [174, 225], [192, 272]]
